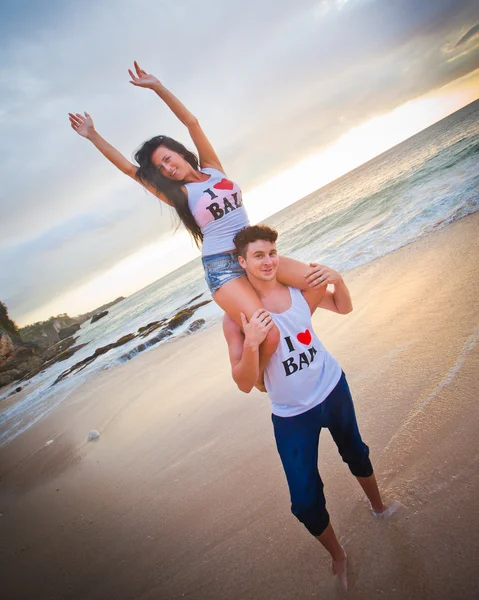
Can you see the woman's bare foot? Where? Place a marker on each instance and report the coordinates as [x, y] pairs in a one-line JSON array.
[[340, 569]]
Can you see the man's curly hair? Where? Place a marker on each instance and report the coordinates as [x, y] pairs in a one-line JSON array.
[[253, 233]]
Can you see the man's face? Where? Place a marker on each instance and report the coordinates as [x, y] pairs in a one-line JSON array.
[[261, 260]]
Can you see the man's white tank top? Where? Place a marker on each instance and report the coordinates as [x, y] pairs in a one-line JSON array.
[[301, 373], [217, 206]]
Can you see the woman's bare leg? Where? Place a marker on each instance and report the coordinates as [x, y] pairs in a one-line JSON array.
[[239, 296], [293, 273]]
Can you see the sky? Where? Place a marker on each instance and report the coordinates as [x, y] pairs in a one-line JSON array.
[[291, 94]]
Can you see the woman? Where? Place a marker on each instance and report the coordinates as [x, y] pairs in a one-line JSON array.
[[209, 205]]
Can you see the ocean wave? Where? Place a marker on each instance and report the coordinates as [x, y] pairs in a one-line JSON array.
[[413, 189]]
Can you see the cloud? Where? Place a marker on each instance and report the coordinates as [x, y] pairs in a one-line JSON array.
[[362, 64], [70, 254], [473, 32], [269, 81]]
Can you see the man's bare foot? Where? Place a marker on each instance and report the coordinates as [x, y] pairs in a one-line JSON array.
[[389, 508], [340, 569]]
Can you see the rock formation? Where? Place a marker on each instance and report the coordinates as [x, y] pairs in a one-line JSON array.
[[68, 331], [20, 360], [167, 325], [98, 316]]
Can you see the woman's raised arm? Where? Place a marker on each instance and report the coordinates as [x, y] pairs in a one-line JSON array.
[[84, 126], [207, 154]]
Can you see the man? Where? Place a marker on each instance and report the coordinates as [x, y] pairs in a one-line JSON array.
[[305, 383]]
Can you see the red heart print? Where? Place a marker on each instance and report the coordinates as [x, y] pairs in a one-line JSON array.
[[224, 184], [304, 337]]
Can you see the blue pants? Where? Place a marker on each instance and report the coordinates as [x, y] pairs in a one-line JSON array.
[[297, 440]]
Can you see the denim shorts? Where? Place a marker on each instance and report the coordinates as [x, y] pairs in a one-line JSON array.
[[221, 268]]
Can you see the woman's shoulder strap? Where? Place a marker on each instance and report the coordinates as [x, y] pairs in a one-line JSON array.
[[212, 171]]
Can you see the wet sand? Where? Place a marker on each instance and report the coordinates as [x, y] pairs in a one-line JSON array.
[[183, 495]]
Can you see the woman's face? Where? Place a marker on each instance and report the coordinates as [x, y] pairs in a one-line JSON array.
[[171, 164]]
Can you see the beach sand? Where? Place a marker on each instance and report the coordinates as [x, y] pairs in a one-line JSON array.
[[183, 495]]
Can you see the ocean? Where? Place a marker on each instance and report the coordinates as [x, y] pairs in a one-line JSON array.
[[422, 184]]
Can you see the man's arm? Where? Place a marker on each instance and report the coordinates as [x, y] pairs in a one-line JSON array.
[[243, 348], [338, 301]]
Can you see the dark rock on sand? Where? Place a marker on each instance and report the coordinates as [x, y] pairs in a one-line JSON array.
[[15, 391], [46, 358], [46, 333], [65, 355], [15, 359], [147, 329], [98, 316], [58, 348], [151, 342], [11, 375], [87, 316], [168, 325], [6, 345], [190, 301], [196, 325], [98, 352], [19, 362], [68, 331], [183, 315], [195, 298], [27, 351]]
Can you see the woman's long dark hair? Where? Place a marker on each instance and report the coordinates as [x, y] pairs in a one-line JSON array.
[[148, 173]]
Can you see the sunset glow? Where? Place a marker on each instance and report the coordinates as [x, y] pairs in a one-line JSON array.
[[356, 147], [293, 97]]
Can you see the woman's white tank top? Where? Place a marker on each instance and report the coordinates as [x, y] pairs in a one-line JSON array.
[[217, 206]]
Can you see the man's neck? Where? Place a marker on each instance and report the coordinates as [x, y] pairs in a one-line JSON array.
[[265, 289]]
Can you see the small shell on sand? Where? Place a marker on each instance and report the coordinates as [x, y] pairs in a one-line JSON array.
[[93, 435]]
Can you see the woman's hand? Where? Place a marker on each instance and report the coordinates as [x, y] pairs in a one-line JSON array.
[[256, 330], [143, 79], [322, 275], [83, 125]]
